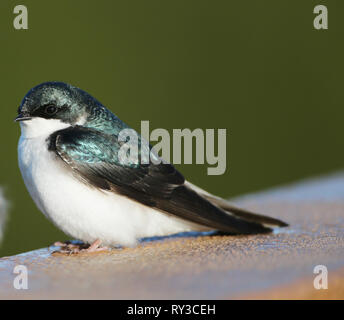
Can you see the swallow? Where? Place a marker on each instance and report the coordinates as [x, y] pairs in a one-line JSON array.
[[68, 155]]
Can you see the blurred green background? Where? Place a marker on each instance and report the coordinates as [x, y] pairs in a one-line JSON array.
[[257, 68]]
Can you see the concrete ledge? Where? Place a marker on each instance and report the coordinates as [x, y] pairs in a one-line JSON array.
[[278, 265]]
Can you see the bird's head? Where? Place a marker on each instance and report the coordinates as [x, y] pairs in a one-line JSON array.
[[53, 106]]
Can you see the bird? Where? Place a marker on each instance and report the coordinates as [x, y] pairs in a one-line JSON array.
[[68, 155]]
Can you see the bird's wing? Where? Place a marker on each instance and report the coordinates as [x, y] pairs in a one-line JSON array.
[[94, 156]]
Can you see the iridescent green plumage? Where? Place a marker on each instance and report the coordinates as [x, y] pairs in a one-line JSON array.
[[80, 105]]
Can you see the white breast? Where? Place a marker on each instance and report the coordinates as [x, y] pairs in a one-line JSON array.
[[81, 211]]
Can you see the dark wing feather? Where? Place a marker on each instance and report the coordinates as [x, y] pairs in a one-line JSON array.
[[94, 156]]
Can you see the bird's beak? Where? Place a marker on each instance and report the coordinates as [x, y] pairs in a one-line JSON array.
[[22, 117]]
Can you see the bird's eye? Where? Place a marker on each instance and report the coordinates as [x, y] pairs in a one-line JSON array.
[[50, 110]]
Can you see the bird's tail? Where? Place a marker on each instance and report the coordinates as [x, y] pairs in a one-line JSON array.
[[246, 215], [239, 213]]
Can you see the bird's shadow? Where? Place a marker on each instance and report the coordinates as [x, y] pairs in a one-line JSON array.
[[189, 234]]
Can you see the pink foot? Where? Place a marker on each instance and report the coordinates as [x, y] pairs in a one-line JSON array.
[[95, 247], [71, 248]]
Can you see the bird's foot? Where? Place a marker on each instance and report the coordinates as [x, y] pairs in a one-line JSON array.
[[70, 248], [96, 247]]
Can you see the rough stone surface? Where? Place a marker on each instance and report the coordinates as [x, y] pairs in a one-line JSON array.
[[190, 266]]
